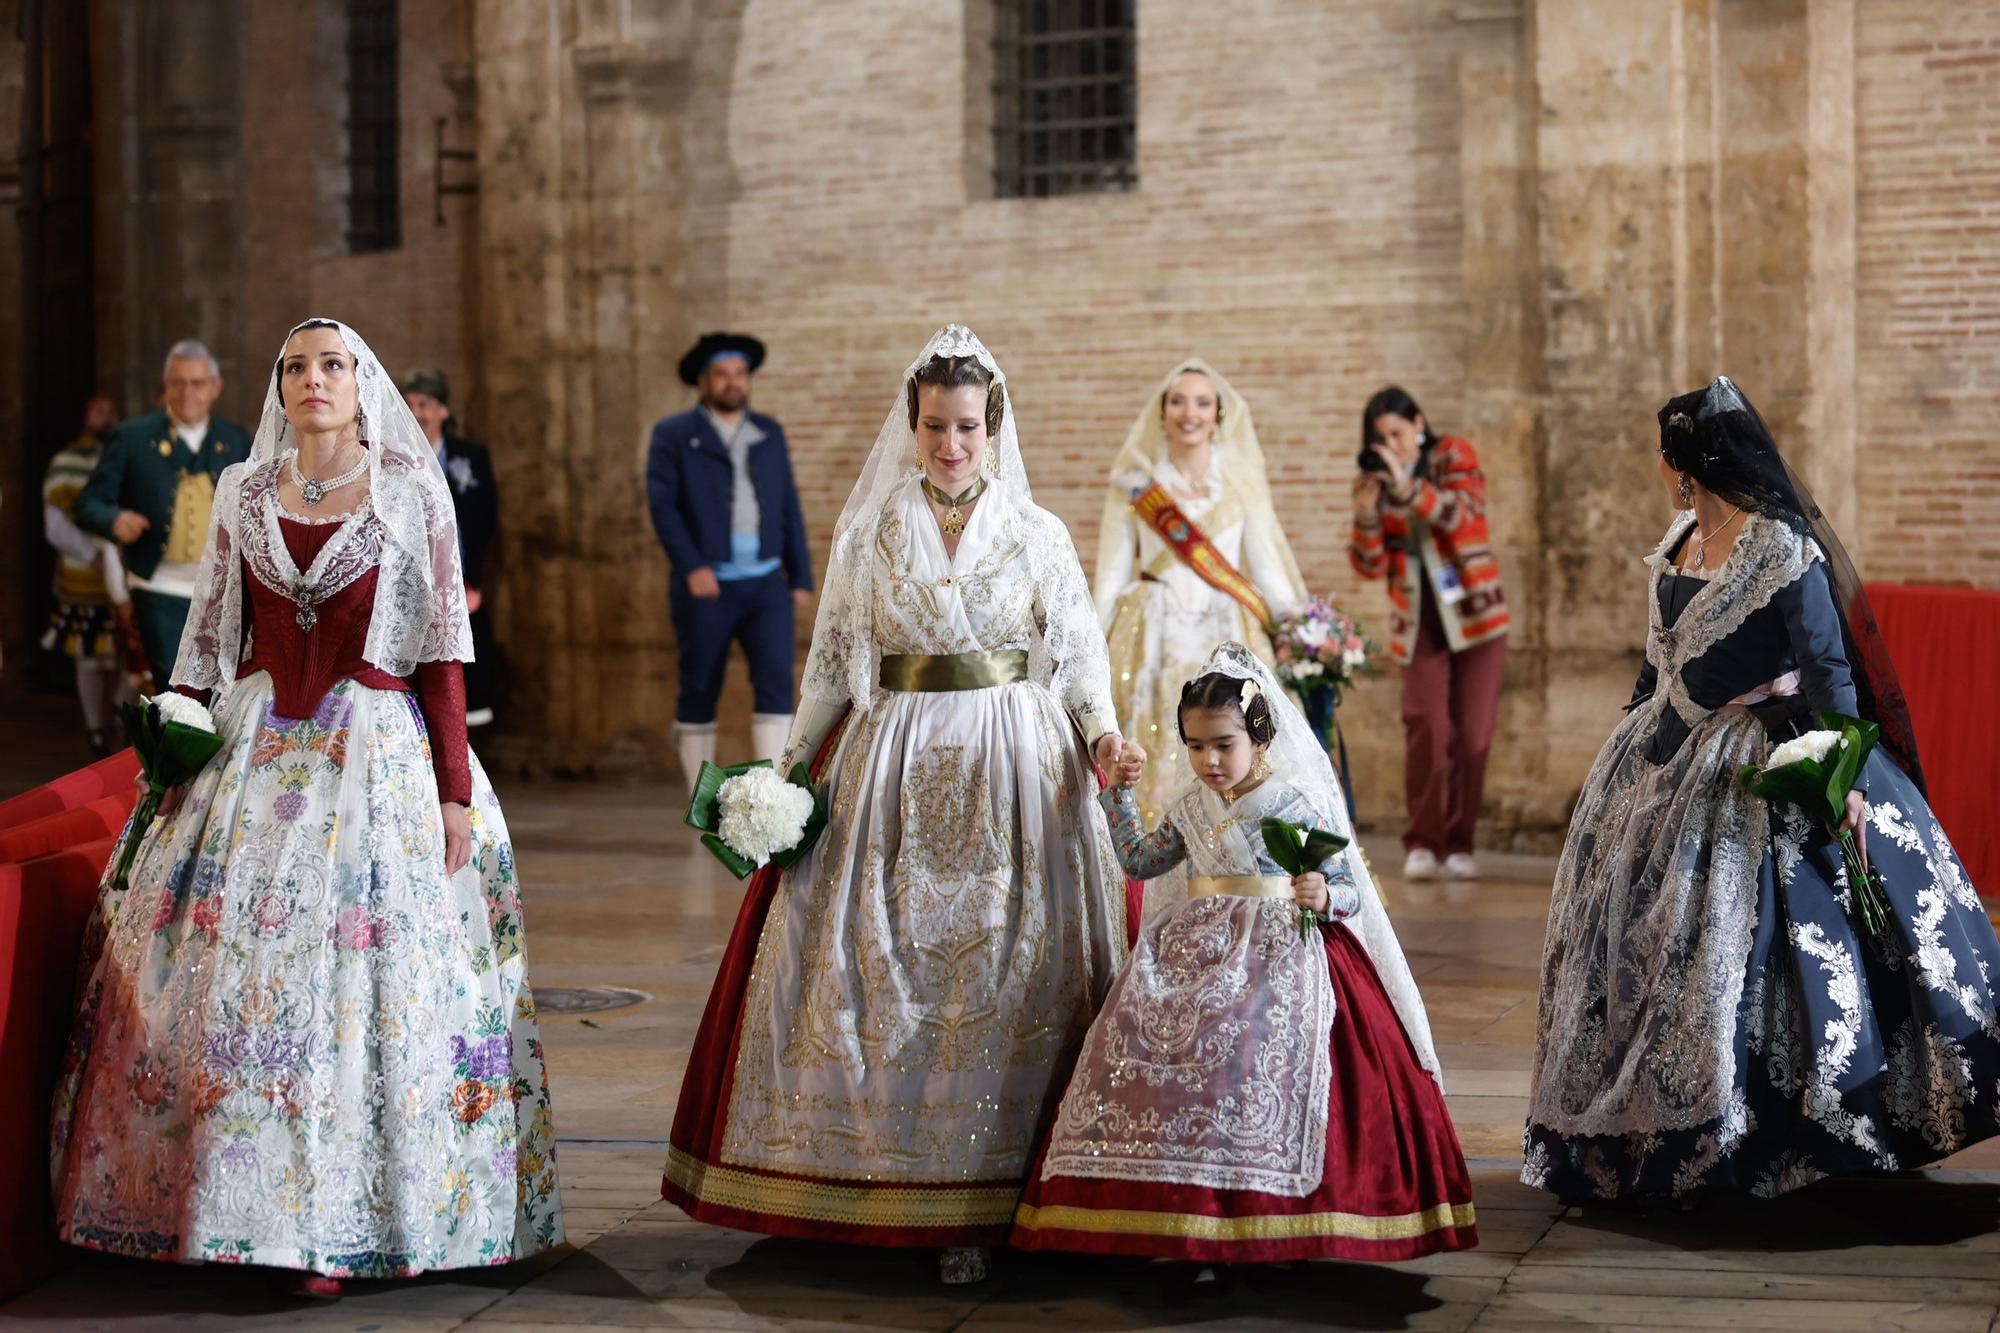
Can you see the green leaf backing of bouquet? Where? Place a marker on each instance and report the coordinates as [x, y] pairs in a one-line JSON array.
[[170, 754], [1819, 786], [1861, 739], [1296, 848]]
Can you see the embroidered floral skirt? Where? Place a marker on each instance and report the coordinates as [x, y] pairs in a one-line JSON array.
[[1391, 1182], [893, 1016], [299, 1043], [1801, 1048]]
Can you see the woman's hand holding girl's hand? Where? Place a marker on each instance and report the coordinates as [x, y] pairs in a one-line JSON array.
[[1309, 890], [1131, 766], [457, 836]]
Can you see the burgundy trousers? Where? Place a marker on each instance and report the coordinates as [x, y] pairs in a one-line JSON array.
[[1450, 703]]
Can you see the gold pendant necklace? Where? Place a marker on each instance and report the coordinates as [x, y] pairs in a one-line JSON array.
[[954, 513], [1260, 769]]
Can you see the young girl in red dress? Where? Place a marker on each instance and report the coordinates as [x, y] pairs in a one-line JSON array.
[[1260, 1085]]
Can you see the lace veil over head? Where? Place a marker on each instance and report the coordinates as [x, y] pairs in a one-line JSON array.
[[1295, 755], [844, 661], [406, 527], [1236, 448]]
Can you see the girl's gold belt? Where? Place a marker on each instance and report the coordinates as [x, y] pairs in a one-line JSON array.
[[1241, 886]]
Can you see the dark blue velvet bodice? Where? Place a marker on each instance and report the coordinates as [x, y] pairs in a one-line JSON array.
[[1797, 630]]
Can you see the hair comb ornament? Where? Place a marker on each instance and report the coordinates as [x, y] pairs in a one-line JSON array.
[[1723, 396], [957, 340], [1247, 695]]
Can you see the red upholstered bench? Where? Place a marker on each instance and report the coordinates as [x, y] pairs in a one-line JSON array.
[[44, 904], [100, 818], [106, 777]]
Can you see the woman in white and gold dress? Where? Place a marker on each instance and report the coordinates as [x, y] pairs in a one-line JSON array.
[[1190, 555], [891, 1013]]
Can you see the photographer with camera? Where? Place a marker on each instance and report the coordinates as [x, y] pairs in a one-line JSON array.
[[1420, 522]]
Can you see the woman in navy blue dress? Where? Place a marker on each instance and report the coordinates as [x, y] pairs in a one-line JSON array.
[[1711, 1015]]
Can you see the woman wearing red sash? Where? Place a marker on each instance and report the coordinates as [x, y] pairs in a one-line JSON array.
[[1190, 556]]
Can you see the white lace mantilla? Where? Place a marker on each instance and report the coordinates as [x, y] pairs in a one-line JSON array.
[[409, 532], [1655, 898]]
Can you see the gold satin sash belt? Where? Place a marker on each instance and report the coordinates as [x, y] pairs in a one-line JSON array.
[[925, 673], [1241, 886]]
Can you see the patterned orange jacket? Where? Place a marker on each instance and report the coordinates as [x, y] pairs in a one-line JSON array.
[[1445, 523]]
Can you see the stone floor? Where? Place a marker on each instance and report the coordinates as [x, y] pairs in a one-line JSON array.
[[618, 895]]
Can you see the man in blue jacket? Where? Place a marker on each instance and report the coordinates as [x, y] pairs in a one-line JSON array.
[[719, 482]]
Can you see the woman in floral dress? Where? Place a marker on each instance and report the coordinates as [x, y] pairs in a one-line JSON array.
[[306, 1038]]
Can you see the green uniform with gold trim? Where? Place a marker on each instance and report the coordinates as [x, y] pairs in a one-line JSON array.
[[146, 467]]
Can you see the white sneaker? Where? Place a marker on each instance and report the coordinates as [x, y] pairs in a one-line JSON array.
[[1460, 865], [1421, 863]]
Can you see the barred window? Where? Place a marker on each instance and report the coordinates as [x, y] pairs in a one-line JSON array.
[[1065, 97], [374, 169]]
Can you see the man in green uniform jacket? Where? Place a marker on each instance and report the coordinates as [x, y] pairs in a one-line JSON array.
[[153, 492]]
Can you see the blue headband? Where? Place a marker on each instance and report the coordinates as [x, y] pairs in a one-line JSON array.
[[728, 354]]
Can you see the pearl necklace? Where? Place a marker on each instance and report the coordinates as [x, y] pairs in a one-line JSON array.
[[313, 491]]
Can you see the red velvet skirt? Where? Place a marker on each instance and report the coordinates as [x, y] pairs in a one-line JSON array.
[[1395, 1186]]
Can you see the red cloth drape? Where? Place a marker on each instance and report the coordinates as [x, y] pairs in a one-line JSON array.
[[1946, 642]]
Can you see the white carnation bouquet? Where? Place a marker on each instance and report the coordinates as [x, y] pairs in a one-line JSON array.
[[751, 817], [1815, 771]]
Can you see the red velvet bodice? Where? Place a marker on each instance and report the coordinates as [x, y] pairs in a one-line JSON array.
[[305, 664]]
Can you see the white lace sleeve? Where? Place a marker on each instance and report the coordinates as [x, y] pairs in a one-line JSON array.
[[214, 634], [1079, 663], [840, 646]]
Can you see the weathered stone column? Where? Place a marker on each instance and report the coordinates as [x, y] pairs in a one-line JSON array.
[[1623, 203], [580, 277], [169, 217], [1504, 381]]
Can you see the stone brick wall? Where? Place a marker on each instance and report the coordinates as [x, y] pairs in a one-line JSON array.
[[1540, 216], [1928, 112], [414, 304], [1297, 222]]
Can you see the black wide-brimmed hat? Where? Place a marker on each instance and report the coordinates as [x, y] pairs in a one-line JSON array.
[[713, 345]]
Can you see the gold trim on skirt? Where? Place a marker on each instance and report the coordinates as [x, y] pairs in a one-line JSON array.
[[926, 673], [1241, 886]]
